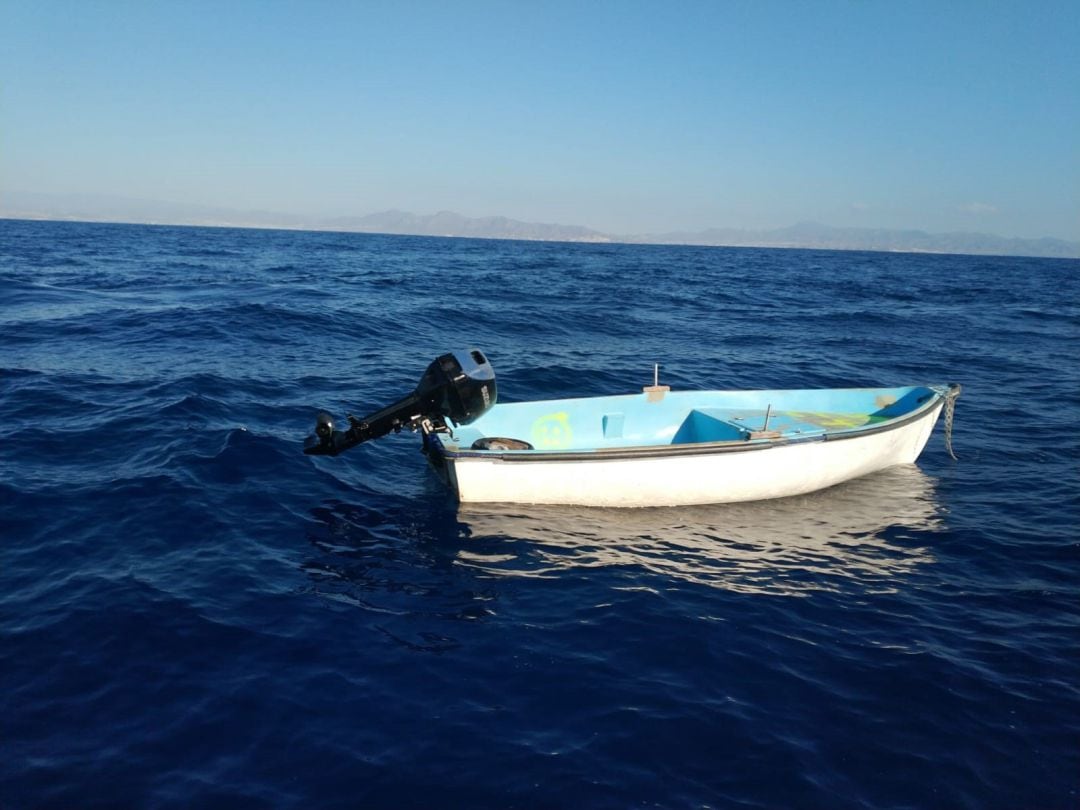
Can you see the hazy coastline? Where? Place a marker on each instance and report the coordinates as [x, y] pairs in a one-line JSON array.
[[805, 235]]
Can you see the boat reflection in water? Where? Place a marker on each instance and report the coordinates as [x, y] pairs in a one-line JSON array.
[[864, 534]]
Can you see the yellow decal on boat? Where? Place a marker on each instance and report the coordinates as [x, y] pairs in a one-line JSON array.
[[552, 431]]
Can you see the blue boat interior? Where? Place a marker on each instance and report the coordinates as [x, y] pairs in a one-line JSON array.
[[687, 417]]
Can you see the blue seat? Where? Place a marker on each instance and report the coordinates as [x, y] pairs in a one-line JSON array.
[[703, 426]]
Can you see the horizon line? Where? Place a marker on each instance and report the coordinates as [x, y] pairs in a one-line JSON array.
[[606, 240]]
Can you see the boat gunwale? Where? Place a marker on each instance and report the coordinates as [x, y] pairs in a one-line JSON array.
[[697, 448]]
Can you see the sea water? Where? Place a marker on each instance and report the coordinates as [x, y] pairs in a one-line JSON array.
[[195, 614]]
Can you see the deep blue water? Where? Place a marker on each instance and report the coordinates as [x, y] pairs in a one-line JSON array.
[[194, 614]]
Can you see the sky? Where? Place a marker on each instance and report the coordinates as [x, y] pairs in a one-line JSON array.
[[627, 117]]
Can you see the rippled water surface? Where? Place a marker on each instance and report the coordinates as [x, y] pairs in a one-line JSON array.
[[195, 614]]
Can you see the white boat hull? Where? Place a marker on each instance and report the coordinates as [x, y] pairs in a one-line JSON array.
[[678, 479]]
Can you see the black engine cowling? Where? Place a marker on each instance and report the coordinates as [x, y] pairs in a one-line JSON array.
[[459, 386]]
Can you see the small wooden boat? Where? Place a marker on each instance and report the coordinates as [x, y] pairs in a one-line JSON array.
[[655, 448]]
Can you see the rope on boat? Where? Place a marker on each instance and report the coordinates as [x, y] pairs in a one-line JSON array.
[[950, 407]]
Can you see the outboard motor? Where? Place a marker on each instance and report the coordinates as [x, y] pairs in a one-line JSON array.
[[459, 386]]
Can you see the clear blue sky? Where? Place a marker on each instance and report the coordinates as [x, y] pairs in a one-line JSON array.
[[626, 117]]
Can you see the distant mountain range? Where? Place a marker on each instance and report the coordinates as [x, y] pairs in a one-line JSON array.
[[825, 237], [447, 223], [106, 208]]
